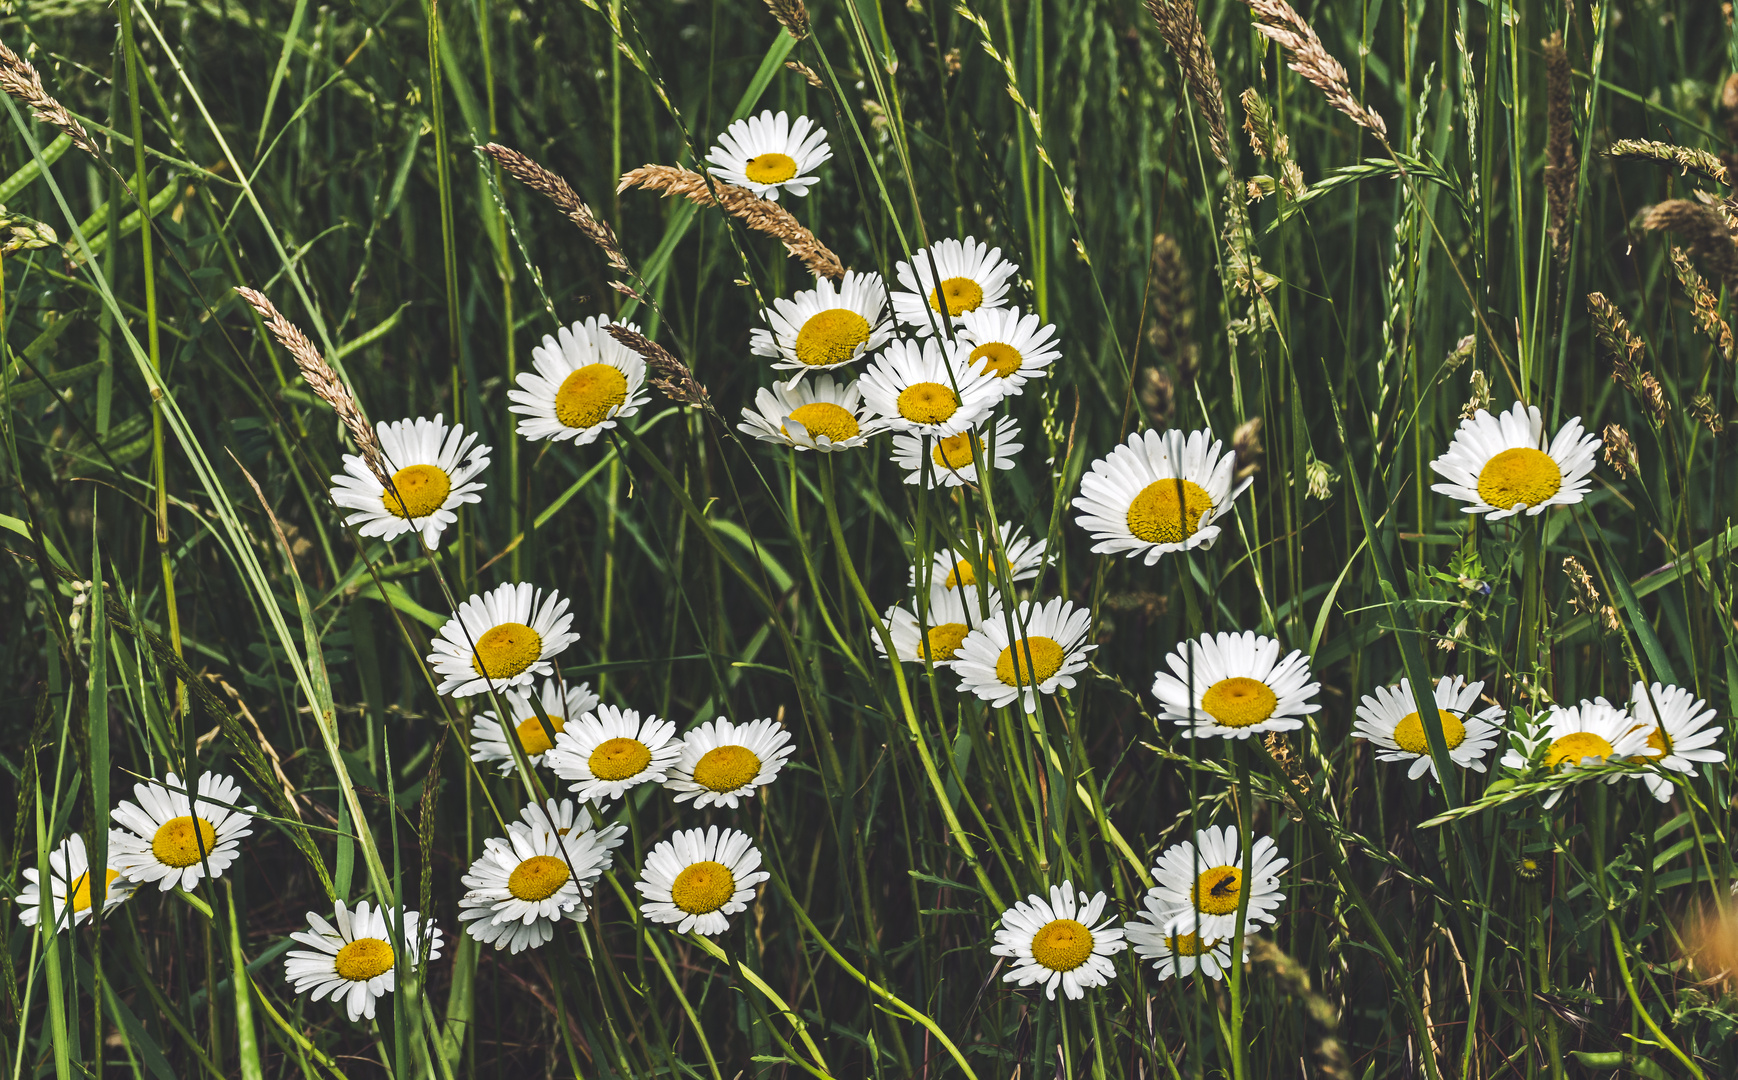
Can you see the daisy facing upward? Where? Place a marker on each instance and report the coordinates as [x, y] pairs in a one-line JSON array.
[[581, 385], [972, 276], [503, 638], [1589, 734], [1199, 885], [953, 461], [1235, 685], [1157, 935], [951, 615], [530, 880], [1389, 718], [825, 327], [1502, 465], [1055, 943], [818, 414], [769, 152], [961, 563], [353, 956], [1015, 349], [1158, 493], [927, 388], [609, 751], [722, 762], [434, 472], [173, 840], [1045, 659], [697, 879]]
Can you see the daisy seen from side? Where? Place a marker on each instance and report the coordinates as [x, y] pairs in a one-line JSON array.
[[1040, 659], [966, 557], [582, 383], [1680, 732], [611, 750], [927, 388], [1055, 942], [1157, 937], [950, 616], [354, 957], [69, 887], [722, 762], [488, 744], [173, 840], [1158, 493], [825, 327], [1503, 465], [1235, 686], [769, 153], [1015, 349], [819, 414], [1388, 717], [698, 878], [1578, 737], [953, 461], [1199, 884], [433, 470], [500, 639], [971, 276]]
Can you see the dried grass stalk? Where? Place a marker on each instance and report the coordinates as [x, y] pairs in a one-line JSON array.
[[1281, 23], [1704, 303], [1180, 26], [761, 215], [1584, 598], [807, 72], [1560, 162], [671, 376], [1619, 450], [1685, 158], [561, 193], [1703, 230], [1626, 349], [21, 81], [792, 15]]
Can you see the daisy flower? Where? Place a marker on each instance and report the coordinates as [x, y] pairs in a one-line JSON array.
[[175, 841], [530, 880], [1501, 465], [698, 879], [973, 276], [1199, 885], [433, 470], [1052, 650], [767, 152], [952, 614], [927, 388], [69, 874], [561, 816], [1014, 349], [1389, 718], [1055, 943], [502, 638], [581, 385], [487, 742], [1158, 493], [1174, 951], [722, 762], [958, 566], [353, 957], [827, 326], [1235, 685], [611, 750], [816, 414], [1678, 732], [1590, 734], [953, 461]]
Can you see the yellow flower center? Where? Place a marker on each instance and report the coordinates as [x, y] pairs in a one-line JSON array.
[[1519, 475], [1011, 666], [1004, 359], [726, 768], [825, 418], [943, 641], [1571, 748], [1157, 515], [532, 736], [961, 293], [1239, 702], [1186, 945], [81, 889], [588, 394], [1659, 742], [183, 841], [1062, 945], [421, 491], [363, 959], [703, 887], [831, 337], [954, 452], [1215, 892], [928, 403], [618, 759], [537, 878], [963, 574], [1409, 733], [506, 650], [770, 168]]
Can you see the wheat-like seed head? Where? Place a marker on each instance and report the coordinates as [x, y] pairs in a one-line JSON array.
[[761, 215], [1180, 26], [1280, 23], [561, 193], [21, 81], [671, 375]]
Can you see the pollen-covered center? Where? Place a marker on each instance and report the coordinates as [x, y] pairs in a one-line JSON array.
[[1158, 516], [1062, 945], [1011, 666], [81, 889], [928, 403], [587, 396], [182, 841], [1519, 476], [1004, 359], [961, 293], [618, 759], [1185, 945], [1409, 732], [1573, 747], [726, 768], [703, 887], [532, 736], [421, 491], [1659, 744], [825, 418], [537, 878], [831, 337], [506, 650], [955, 452], [363, 959], [943, 641], [1215, 892], [1239, 702], [771, 168]]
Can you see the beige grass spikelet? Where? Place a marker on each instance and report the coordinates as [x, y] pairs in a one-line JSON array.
[[670, 375], [761, 215], [1702, 230], [1180, 26], [21, 80], [1686, 158], [1280, 23], [561, 193]]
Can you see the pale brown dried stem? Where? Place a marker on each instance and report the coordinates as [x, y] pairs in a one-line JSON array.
[[1180, 26], [761, 215], [1306, 55], [566, 200], [670, 375]]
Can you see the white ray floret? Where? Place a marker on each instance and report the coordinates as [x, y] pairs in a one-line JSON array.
[[174, 840], [561, 817], [581, 385], [433, 471], [1055, 942], [611, 750], [1016, 349], [960, 565], [953, 461], [697, 879], [69, 887], [1158, 493], [488, 744], [1198, 885], [972, 277], [1041, 660], [722, 762], [951, 615], [770, 152], [503, 638], [825, 327], [355, 957], [1388, 716], [1578, 737], [927, 388], [1503, 465], [814, 414], [1680, 732], [525, 883], [1172, 950], [1235, 686]]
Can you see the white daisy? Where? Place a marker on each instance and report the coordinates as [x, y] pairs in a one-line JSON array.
[[1590, 734], [827, 326], [972, 276], [960, 564], [1389, 718], [581, 385], [1158, 493], [815, 414], [1235, 685], [697, 879], [1046, 658], [1678, 730], [561, 817], [487, 742], [1199, 885], [951, 615], [1172, 949], [69, 873], [1501, 465], [767, 152], [722, 762], [927, 388], [505, 637], [611, 750], [173, 840], [1016, 349], [953, 461], [353, 957], [432, 471], [1056, 943], [530, 880]]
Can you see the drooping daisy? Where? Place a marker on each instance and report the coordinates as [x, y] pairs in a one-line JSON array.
[[69, 875], [698, 879], [611, 750], [767, 152], [1590, 734], [1053, 649], [973, 276], [1235, 685], [505, 637], [1158, 935], [722, 762], [1198, 884], [1678, 733], [953, 461], [1015, 348], [354, 958], [173, 840], [927, 388], [525, 883], [1388, 717], [827, 326], [1502, 465], [487, 742], [951, 615], [581, 385], [1056, 943], [432, 470], [1158, 493], [814, 414], [959, 566]]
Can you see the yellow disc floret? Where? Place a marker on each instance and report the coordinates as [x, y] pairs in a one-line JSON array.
[[363, 959], [1004, 359], [1186, 944], [1573, 747], [955, 452], [1062, 945], [1215, 892], [506, 650], [1517, 476], [618, 759], [726, 768], [943, 641], [422, 489], [1239, 702], [831, 337], [772, 168], [1158, 516], [532, 736], [703, 887], [1409, 732], [823, 418], [587, 396], [183, 841], [537, 878], [81, 889], [962, 295], [1011, 666], [928, 403]]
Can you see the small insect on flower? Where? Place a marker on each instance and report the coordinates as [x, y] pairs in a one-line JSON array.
[[1022, 559], [928, 388], [971, 276], [1049, 648], [1502, 466], [433, 474], [1578, 737], [354, 956], [951, 615], [698, 879], [582, 384], [1680, 732], [1235, 685], [1055, 943], [1157, 935], [1389, 718], [175, 840], [610, 750], [953, 461], [527, 882], [1158, 493], [69, 887], [499, 639], [825, 327], [815, 414], [553, 705], [1014, 349], [1200, 884], [768, 152], [722, 762]]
